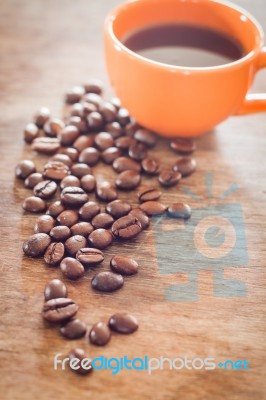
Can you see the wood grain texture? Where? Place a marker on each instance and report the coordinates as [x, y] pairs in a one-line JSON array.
[[47, 46]]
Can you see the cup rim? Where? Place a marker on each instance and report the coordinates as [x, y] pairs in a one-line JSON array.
[[173, 68]]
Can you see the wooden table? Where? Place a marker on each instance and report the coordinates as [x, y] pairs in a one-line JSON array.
[[46, 47]]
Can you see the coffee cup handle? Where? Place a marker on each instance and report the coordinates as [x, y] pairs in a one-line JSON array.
[[255, 102]]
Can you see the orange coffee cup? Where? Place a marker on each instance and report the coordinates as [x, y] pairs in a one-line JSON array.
[[184, 101]]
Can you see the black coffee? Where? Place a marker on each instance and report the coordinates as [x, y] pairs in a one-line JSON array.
[[184, 45]]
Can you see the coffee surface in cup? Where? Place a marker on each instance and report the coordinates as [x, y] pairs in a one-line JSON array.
[[184, 45]]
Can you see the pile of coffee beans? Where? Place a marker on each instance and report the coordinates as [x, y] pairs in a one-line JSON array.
[[74, 228], [60, 309]]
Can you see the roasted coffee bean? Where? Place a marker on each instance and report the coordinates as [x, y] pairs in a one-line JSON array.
[[74, 329], [179, 210], [123, 116], [108, 111], [123, 323], [80, 169], [116, 102], [59, 309], [36, 245], [183, 146], [31, 131], [74, 244], [89, 156], [55, 289], [55, 170], [137, 151], [45, 189], [42, 116], [107, 281], [54, 253], [102, 220], [115, 129], [82, 228], [109, 155], [79, 123], [106, 192], [126, 227], [82, 110], [82, 142], [88, 183], [128, 180], [149, 193], [60, 233], [63, 158], [124, 265], [68, 135], [89, 210], [88, 108], [103, 140], [70, 180], [100, 238], [93, 86], [124, 163], [68, 218], [89, 256], [84, 366], [186, 166], [168, 178], [53, 126], [71, 152], [24, 169], [150, 166], [45, 145], [153, 207], [73, 196], [131, 128], [100, 334], [118, 208], [95, 121], [55, 209], [77, 110], [33, 179], [34, 204], [141, 216], [124, 142], [93, 98], [72, 268], [74, 94], [146, 137], [44, 224]]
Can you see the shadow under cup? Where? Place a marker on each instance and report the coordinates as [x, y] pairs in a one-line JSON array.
[[174, 100]]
